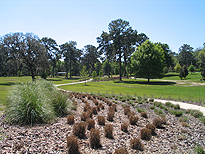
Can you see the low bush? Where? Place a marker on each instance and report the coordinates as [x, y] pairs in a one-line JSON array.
[[91, 123], [196, 113], [89, 114], [70, 119], [152, 107], [110, 115], [94, 110], [126, 109], [152, 128], [157, 122], [158, 112], [177, 113], [169, 104], [72, 145], [184, 124], [95, 138], [84, 116], [145, 134], [158, 104], [79, 129], [183, 119], [108, 131], [124, 127], [101, 120], [177, 107], [140, 110], [144, 114], [130, 113], [121, 150], [199, 150], [133, 119], [136, 144]]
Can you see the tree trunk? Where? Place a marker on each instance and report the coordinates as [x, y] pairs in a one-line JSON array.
[[120, 64], [70, 68], [32, 75], [53, 70], [108, 69]]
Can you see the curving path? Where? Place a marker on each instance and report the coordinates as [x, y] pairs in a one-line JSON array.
[[182, 104]]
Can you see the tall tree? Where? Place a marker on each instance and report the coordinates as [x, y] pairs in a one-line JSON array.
[[71, 55], [123, 39], [52, 52], [90, 57], [106, 48], [186, 56], [148, 60], [167, 54]]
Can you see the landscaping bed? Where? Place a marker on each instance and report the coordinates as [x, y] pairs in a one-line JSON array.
[[177, 134]]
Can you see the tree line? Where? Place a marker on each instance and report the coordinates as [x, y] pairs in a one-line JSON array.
[[121, 51]]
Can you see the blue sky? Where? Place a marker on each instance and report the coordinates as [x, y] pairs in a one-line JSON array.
[[175, 22]]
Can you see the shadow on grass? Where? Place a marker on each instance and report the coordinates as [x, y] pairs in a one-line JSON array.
[[61, 79], [7, 83], [149, 83], [170, 75]]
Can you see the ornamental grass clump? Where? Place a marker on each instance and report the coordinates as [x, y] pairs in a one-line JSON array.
[[30, 103], [110, 115], [145, 134], [70, 119], [133, 119], [101, 120], [144, 114], [152, 128], [79, 129], [84, 116], [121, 150], [91, 123], [72, 145], [136, 144], [108, 131], [95, 138], [124, 127]]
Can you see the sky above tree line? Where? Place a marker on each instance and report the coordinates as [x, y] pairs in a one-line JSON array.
[[175, 22]]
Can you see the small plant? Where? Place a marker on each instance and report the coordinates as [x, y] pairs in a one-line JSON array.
[[140, 110], [158, 104], [183, 119], [152, 128], [91, 123], [94, 110], [152, 107], [79, 129], [89, 114], [199, 150], [70, 119], [177, 113], [84, 116], [184, 124], [121, 150], [101, 120], [169, 104], [144, 114], [145, 134], [196, 113], [130, 113], [151, 99], [158, 112], [114, 107], [110, 115], [135, 143], [126, 109], [133, 119], [108, 131], [177, 107], [157, 122], [124, 127], [72, 144], [95, 138]]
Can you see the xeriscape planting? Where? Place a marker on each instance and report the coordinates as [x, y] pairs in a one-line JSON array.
[[151, 132]]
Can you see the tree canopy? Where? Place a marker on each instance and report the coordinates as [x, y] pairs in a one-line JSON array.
[[148, 60]]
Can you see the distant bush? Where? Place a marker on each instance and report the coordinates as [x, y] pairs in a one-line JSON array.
[[196, 113], [101, 120], [70, 119], [91, 123], [133, 119], [177, 113], [152, 128], [157, 122], [124, 127], [144, 114]]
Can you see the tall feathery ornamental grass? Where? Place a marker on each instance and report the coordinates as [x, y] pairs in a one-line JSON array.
[[36, 102]]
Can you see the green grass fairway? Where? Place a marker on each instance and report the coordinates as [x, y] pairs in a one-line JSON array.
[[194, 77], [157, 89], [7, 82]]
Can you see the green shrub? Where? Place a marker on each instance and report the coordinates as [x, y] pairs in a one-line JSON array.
[[199, 150], [168, 104], [152, 107], [196, 113], [177, 113], [140, 110], [30, 103]]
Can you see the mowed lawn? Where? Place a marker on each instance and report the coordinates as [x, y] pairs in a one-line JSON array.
[[6, 83], [157, 89]]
